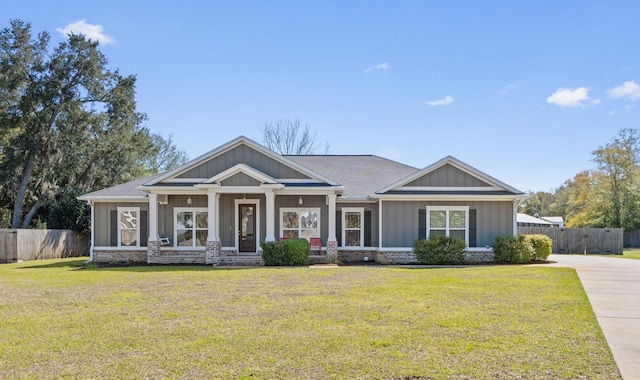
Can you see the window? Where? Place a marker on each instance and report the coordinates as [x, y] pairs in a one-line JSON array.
[[352, 227], [128, 226], [191, 227], [450, 221], [299, 223]]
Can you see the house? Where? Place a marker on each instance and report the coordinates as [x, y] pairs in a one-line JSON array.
[[218, 208], [525, 220], [557, 221]]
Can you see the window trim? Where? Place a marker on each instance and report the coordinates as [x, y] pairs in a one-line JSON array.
[[447, 209], [120, 229], [299, 209], [343, 213], [176, 210]]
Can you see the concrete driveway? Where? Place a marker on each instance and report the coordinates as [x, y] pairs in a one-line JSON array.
[[613, 288]]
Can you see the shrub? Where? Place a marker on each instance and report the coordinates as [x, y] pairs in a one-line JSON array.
[[297, 251], [440, 250], [287, 252], [511, 249], [541, 245], [272, 253]]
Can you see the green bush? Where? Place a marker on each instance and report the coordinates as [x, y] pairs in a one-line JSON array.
[[511, 249], [541, 245], [272, 253], [286, 252], [440, 250]]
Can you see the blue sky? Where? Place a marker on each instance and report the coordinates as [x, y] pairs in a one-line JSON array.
[[523, 91]]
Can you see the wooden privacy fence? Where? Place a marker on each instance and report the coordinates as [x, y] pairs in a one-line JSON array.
[[580, 240], [20, 244], [632, 238]]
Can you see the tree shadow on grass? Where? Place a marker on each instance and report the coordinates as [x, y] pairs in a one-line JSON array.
[[61, 264]]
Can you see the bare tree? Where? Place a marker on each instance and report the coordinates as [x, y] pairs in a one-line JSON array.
[[288, 137]]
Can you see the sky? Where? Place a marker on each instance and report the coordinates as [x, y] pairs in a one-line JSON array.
[[521, 90]]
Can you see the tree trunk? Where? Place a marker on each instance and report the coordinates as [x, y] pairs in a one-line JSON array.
[[17, 207], [32, 212]]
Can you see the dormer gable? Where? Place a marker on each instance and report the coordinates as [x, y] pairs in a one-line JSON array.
[[241, 175], [260, 163], [448, 175]]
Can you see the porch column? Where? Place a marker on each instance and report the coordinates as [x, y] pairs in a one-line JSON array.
[[271, 216], [153, 217], [213, 247], [212, 216], [332, 217], [217, 230], [332, 242]]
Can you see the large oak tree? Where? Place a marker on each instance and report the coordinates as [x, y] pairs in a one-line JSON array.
[[67, 121]]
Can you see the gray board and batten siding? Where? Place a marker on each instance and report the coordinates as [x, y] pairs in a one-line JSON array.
[[242, 154], [104, 221], [448, 176], [402, 220], [240, 179]]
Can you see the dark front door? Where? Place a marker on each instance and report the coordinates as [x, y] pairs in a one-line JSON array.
[[247, 227]]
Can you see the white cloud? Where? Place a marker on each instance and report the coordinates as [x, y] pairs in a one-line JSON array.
[[442, 102], [93, 32], [508, 88], [630, 90], [378, 67], [567, 97]]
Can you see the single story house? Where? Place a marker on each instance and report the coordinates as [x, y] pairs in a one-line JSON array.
[[218, 208], [525, 220], [557, 221]]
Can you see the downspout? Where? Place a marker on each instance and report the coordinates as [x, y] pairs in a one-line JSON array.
[[92, 231], [515, 217]]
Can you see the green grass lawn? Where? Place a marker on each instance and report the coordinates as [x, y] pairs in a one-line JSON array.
[[631, 253], [311, 323]]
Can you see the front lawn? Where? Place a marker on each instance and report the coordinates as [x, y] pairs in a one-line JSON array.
[[310, 323], [631, 253]]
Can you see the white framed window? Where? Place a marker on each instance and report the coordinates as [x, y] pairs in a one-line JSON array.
[[299, 223], [128, 226], [450, 221], [353, 227], [191, 226]]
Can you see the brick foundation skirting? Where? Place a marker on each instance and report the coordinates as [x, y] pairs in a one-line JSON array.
[[233, 258], [356, 256], [120, 256], [408, 257]]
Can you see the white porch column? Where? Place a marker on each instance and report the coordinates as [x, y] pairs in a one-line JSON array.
[[332, 217], [217, 229], [153, 217], [271, 216], [380, 219], [212, 216]]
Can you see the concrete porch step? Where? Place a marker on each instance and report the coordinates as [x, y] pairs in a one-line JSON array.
[[242, 260]]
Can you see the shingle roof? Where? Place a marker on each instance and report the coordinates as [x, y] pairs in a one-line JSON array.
[[361, 175], [524, 218], [127, 189]]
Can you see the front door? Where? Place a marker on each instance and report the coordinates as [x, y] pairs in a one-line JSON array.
[[247, 227]]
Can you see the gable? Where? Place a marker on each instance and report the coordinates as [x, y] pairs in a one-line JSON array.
[[240, 179], [242, 154], [448, 176]]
